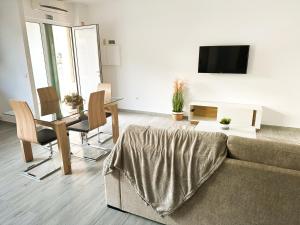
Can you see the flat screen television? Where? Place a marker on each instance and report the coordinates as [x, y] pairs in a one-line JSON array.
[[223, 59]]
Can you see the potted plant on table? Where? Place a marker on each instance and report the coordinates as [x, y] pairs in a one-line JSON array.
[[74, 100], [177, 100], [225, 123]]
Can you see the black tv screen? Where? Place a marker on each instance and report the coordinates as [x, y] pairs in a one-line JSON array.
[[223, 59]]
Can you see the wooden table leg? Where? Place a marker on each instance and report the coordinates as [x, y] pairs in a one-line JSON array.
[[63, 146], [27, 151], [115, 121]]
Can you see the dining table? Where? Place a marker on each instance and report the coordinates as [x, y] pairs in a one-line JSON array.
[[58, 121]]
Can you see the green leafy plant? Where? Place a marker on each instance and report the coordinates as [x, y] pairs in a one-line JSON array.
[[74, 99], [177, 100], [225, 121]]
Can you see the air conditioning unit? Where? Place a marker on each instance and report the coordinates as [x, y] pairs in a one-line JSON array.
[[54, 6]]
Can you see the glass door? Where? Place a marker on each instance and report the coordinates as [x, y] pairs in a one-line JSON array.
[[37, 54], [62, 37], [87, 58], [65, 58], [61, 60]]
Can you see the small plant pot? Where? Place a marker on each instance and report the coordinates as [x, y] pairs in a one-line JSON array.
[[224, 126], [177, 116], [74, 106]]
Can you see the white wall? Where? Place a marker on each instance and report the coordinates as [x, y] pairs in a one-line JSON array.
[[14, 79], [80, 14], [160, 39]]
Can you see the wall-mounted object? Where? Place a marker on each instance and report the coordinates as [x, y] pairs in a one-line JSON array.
[[49, 17], [54, 6], [231, 59], [110, 53]]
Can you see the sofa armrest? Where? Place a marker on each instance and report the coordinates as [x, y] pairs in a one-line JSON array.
[[112, 189]]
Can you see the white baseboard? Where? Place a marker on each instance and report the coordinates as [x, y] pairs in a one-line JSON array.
[[147, 113], [144, 112]]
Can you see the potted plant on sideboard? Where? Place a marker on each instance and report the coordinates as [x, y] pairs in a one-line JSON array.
[[225, 123], [177, 100]]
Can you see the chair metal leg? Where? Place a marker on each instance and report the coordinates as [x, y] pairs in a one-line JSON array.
[[98, 137], [81, 154], [48, 147], [99, 147], [51, 151], [82, 136], [105, 140], [33, 176], [96, 146], [103, 152]]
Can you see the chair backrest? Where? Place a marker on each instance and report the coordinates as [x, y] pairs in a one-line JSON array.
[[107, 88], [96, 112], [26, 129], [49, 100]]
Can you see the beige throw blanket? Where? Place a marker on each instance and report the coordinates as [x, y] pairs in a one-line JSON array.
[[166, 167]]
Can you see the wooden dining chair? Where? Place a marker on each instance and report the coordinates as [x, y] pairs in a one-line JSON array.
[[49, 100], [107, 97], [96, 118], [107, 88], [27, 132], [50, 104]]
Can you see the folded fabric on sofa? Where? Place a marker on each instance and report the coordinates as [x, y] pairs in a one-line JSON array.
[[166, 167]]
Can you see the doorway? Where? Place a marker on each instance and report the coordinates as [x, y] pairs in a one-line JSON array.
[[87, 58], [37, 54], [67, 58]]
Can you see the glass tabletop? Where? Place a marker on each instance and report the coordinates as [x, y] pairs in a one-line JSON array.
[[66, 112]]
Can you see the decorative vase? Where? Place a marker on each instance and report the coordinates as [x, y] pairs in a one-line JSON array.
[[177, 116], [224, 126]]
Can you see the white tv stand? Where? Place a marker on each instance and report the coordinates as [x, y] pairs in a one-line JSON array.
[[241, 114]]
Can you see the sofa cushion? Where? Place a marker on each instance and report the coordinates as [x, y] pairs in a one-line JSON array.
[[267, 152]]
